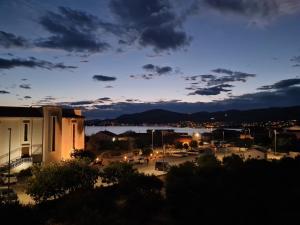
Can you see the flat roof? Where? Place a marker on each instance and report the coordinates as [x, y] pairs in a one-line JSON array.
[[8, 111]]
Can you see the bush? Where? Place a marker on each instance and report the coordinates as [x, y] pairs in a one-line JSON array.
[[57, 179], [83, 154], [25, 173], [116, 171]]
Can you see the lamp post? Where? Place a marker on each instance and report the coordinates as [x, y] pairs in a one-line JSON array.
[[163, 148], [152, 140], [275, 144], [223, 135], [9, 148]]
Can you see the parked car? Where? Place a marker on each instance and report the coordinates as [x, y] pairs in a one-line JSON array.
[[8, 195], [162, 166], [11, 178]]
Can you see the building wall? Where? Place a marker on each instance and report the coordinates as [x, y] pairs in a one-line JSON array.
[[71, 142], [34, 143], [52, 153]]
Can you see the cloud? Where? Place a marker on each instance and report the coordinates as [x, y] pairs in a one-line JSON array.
[[46, 100], [210, 84], [149, 67], [25, 86], [296, 60], [9, 40], [281, 84], [234, 77], [104, 99], [152, 22], [158, 69], [108, 86], [224, 71], [259, 11], [4, 92], [154, 71], [31, 63], [215, 90], [81, 103], [103, 78], [73, 31]]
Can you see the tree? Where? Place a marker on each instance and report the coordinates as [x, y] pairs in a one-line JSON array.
[[186, 146], [83, 154], [57, 179], [117, 171], [208, 161], [146, 151], [194, 144], [233, 162], [178, 145]]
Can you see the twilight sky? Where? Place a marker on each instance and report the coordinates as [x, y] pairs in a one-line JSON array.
[[112, 57]]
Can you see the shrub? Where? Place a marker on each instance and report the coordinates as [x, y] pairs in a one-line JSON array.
[[57, 179]]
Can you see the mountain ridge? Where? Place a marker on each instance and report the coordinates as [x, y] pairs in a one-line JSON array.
[[161, 116]]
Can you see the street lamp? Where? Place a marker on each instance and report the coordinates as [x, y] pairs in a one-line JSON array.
[[9, 148], [163, 146], [152, 139], [275, 134], [223, 134]]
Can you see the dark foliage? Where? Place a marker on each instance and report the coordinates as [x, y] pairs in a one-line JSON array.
[[251, 192]]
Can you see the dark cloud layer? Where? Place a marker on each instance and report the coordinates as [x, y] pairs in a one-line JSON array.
[[9, 40], [153, 21], [31, 63], [72, 30], [281, 84], [103, 78]]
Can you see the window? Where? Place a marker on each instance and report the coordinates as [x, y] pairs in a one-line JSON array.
[[26, 126], [74, 134], [26, 131], [52, 133]]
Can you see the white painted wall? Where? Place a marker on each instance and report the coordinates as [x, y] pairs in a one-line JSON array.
[[17, 135]]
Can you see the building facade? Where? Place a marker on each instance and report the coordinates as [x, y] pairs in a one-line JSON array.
[[41, 135]]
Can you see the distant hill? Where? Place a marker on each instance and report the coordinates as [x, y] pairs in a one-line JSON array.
[[159, 116]]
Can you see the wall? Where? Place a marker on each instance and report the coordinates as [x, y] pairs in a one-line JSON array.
[[48, 154], [16, 124], [67, 136]]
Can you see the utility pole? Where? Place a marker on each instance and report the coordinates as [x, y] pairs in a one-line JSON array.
[[9, 149]]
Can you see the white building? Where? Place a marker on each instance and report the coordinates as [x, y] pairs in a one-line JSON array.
[[43, 134]]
